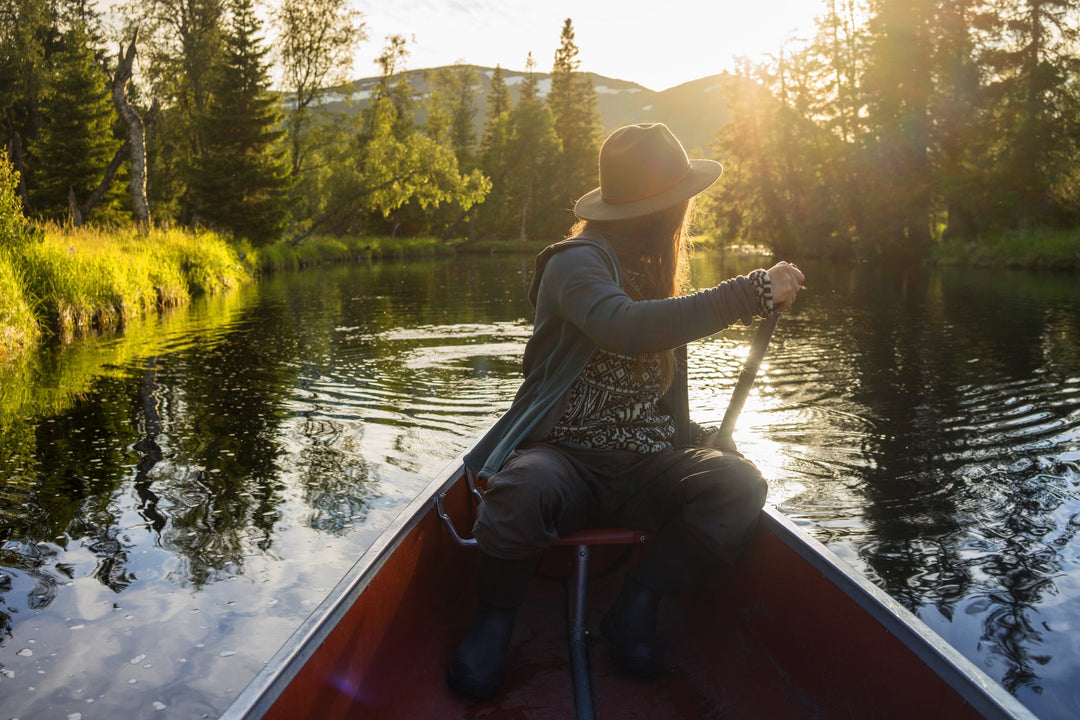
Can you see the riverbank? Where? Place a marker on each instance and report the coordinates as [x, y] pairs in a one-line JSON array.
[[70, 282], [1038, 249]]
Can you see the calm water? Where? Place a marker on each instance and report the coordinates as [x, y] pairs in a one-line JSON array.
[[176, 500]]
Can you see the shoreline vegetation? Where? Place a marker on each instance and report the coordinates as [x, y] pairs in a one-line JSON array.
[[71, 282], [67, 283]]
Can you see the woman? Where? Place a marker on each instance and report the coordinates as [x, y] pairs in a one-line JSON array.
[[599, 433]]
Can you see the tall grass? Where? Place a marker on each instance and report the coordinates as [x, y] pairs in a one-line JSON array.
[[18, 323], [80, 280], [74, 281]]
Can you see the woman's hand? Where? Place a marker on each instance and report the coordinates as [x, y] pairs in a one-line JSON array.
[[786, 280]]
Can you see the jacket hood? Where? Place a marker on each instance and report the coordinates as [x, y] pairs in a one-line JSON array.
[[586, 238]]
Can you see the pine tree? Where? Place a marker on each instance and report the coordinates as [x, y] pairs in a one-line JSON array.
[[960, 129], [183, 49], [534, 179], [242, 177], [27, 30], [574, 104], [899, 81], [498, 94], [1035, 102], [494, 215], [450, 108], [75, 141]]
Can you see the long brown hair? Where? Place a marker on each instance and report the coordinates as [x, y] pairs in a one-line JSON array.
[[653, 258]]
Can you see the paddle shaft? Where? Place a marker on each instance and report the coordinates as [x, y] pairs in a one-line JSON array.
[[748, 373]]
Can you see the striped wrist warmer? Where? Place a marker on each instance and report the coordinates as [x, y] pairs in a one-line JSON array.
[[763, 286]]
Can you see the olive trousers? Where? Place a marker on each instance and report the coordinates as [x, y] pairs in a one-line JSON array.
[[700, 503]]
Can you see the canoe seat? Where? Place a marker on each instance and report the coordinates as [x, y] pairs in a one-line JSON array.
[[580, 541]]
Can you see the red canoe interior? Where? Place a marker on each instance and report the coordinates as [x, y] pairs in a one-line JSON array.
[[767, 638]]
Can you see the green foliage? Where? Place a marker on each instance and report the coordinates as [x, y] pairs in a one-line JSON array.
[[450, 110], [243, 176], [382, 172], [1041, 249], [27, 28], [573, 104], [316, 40], [14, 230], [520, 152], [75, 141], [18, 325], [900, 118], [183, 47], [322, 250]]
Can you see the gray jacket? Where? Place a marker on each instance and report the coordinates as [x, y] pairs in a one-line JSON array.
[[580, 306]]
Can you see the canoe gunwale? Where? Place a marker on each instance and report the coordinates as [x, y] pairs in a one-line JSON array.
[[981, 691]]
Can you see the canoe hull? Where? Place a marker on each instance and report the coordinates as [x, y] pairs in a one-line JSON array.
[[788, 631]]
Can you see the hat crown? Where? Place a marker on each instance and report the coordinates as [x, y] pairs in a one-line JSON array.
[[641, 161]]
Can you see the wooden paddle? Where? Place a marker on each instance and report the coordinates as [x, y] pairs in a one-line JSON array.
[[747, 375]]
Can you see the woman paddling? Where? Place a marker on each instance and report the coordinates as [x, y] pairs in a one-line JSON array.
[[599, 433]]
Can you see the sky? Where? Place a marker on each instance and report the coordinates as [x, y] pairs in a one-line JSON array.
[[658, 44]]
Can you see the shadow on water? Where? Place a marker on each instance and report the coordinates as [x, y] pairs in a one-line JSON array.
[[176, 500]]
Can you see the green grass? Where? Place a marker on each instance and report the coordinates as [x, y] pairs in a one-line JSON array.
[[76, 281], [19, 327], [83, 280], [1037, 249]]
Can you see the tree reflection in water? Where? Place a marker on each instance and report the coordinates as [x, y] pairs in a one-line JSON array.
[[969, 465]]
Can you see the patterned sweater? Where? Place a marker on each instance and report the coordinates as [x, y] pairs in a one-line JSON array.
[[614, 404]]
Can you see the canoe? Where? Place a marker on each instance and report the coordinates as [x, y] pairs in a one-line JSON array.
[[789, 631]]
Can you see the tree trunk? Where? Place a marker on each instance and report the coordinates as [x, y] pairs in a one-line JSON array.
[[524, 219], [15, 157], [79, 213], [136, 129], [73, 208]]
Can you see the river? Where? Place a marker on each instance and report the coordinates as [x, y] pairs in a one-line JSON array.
[[178, 498]]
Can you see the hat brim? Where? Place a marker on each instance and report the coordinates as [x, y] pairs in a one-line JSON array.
[[593, 206]]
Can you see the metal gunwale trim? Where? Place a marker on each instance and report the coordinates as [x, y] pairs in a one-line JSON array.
[[268, 684], [976, 687]]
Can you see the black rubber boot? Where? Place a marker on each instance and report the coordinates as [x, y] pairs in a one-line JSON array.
[[630, 627], [479, 662], [670, 562]]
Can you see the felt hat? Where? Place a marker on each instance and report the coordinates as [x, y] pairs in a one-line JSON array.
[[644, 169]]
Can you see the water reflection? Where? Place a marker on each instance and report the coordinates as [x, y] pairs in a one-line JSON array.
[[946, 457], [175, 501]]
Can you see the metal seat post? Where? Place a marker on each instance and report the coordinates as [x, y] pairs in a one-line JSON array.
[[579, 657]]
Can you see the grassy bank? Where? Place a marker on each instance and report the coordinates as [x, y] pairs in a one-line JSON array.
[[70, 282], [74, 281], [1034, 249]]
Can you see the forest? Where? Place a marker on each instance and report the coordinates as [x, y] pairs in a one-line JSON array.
[[898, 127]]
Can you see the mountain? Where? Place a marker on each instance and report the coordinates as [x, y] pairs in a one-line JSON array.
[[694, 111]]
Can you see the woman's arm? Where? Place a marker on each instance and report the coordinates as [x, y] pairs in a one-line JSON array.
[[581, 289]]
